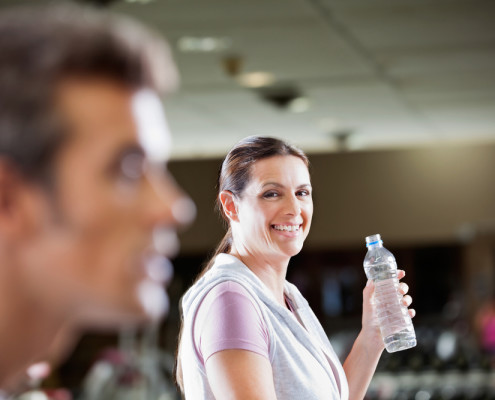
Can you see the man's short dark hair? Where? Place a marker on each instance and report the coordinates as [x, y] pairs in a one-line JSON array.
[[40, 47]]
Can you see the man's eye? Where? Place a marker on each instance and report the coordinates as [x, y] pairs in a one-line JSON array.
[[303, 193], [132, 166]]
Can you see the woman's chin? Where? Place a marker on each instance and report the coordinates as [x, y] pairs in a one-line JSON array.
[[291, 251]]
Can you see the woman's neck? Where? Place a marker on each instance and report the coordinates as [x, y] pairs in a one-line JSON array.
[[271, 271]]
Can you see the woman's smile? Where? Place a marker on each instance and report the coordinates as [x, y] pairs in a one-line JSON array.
[[288, 230]]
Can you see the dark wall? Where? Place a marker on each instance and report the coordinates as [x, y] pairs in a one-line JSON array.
[[413, 196]]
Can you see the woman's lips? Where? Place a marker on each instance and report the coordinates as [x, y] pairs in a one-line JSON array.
[[287, 230]]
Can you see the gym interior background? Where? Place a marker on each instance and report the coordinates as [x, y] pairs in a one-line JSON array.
[[394, 102]]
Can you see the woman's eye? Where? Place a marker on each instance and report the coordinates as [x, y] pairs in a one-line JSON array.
[[303, 193], [268, 195]]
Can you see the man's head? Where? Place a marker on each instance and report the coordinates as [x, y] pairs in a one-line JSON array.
[[85, 198]]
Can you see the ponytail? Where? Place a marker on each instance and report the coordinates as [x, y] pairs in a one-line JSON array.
[[224, 246]]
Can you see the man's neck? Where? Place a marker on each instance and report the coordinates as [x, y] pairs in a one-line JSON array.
[[27, 332]]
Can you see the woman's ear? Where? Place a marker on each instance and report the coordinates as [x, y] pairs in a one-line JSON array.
[[229, 206]]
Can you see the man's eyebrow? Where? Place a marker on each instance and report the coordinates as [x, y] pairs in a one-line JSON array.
[[129, 148], [121, 152]]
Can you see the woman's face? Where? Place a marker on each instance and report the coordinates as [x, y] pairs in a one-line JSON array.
[[274, 213]]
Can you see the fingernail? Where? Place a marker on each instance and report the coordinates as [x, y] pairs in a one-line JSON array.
[[369, 282]]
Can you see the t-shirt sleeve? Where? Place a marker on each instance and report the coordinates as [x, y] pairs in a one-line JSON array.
[[228, 319]]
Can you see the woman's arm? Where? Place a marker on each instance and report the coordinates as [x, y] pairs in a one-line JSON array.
[[360, 366], [361, 363], [239, 375], [233, 340]]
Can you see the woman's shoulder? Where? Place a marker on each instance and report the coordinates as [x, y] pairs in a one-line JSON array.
[[228, 292], [228, 318], [229, 287]]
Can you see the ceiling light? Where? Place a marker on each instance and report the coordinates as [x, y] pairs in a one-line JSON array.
[[285, 96], [255, 80], [207, 44], [299, 105]]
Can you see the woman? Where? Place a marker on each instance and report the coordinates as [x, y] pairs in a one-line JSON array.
[[247, 332]]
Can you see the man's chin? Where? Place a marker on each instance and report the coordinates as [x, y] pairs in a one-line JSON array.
[[150, 303], [154, 299]]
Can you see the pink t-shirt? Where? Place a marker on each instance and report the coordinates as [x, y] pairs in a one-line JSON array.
[[228, 319]]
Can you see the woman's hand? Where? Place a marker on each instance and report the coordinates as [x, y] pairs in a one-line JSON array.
[[403, 289], [361, 363], [370, 329]]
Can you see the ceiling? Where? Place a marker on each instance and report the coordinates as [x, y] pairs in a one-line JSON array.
[[376, 73]]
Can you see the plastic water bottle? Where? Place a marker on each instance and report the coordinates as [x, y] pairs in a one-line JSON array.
[[393, 317]]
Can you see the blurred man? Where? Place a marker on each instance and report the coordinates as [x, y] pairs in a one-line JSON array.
[[86, 204]]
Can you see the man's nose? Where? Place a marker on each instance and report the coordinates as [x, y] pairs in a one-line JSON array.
[[170, 206]]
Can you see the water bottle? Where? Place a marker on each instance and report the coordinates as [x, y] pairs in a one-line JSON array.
[[393, 317]]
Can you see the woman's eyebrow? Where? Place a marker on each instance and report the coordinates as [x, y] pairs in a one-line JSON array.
[[272, 184], [304, 185]]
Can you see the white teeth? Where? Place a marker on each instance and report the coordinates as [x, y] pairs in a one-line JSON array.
[[288, 228]]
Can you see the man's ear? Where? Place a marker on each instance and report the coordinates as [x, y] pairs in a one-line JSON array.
[[18, 200], [229, 206]]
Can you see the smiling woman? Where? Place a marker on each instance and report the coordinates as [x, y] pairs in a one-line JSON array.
[[248, 333], [273, 215]]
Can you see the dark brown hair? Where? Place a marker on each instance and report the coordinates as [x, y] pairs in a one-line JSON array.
[[234, 175], [42, 46]]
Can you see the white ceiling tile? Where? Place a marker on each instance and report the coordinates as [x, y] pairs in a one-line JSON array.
[[388, 72]]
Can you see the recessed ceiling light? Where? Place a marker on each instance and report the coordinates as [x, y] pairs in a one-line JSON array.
[[299, 105], [255, 80], [203, 44]]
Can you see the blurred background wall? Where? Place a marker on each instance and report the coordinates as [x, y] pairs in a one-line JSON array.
[[423, 195], [394, 101]]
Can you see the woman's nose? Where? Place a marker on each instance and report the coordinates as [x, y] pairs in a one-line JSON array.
[[293, 207]]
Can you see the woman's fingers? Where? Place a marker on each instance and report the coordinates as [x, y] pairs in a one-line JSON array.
[[403, 288], [407, 300]]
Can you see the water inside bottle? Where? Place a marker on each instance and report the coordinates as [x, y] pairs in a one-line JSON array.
[[393, 317]]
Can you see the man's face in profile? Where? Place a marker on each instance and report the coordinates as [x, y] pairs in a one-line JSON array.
[[94, 235]]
